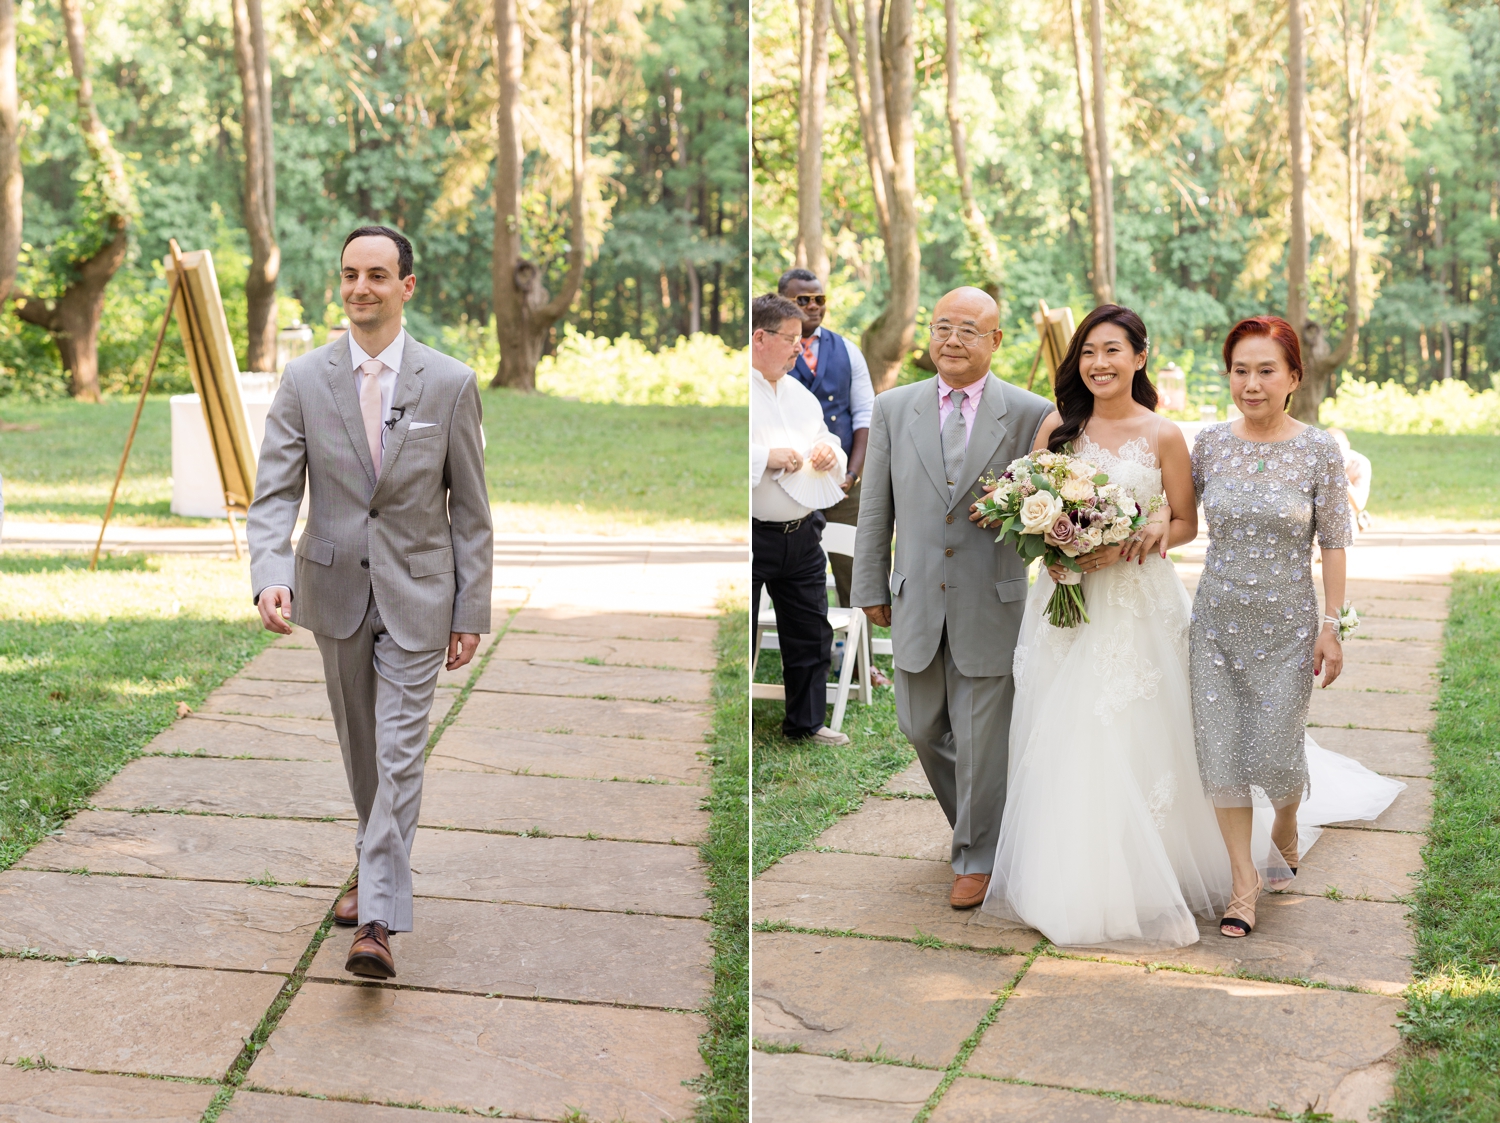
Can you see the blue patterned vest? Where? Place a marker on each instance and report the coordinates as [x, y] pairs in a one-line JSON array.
[[831, 385]]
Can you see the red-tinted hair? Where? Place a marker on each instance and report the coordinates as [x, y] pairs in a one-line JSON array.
[[1274, 326]]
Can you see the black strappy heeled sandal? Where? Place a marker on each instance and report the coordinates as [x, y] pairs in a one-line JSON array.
[[1282, 883], [1245, 923]]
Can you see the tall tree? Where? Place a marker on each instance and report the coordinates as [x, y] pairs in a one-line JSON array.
[[982, 239], [10, 154], [253, 63], [72, 318], [1089, 62], [524, 314], [1320, 360], [812, 99], [889, 132]]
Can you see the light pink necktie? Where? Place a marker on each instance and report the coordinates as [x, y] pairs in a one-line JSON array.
[[369, 407]]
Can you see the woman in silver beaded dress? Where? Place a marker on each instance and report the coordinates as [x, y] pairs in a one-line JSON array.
[[1269, 485]]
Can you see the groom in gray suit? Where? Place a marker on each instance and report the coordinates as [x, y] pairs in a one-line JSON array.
[[392, 573], [955, 598]]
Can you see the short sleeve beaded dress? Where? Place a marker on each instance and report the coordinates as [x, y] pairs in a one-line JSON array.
[[1255, 616]]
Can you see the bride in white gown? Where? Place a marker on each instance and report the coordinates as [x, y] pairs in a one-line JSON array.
[[1107, 837]]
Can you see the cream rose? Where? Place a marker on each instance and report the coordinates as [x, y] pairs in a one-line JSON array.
[[1039, 511], [1077, 490], [1089, 539]]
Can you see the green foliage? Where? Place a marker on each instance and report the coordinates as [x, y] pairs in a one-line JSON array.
[[93, 665], [801, 787], [1427, 482], [1199, 137], [698, 370], [1389, 407], [1452, 1021], [384, 112], [725, 1090]]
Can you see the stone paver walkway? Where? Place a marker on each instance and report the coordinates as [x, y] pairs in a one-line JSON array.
[[560, 952], [1022, 1032]]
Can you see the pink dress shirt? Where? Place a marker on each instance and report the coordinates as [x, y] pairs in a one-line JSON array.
[[972, 393]]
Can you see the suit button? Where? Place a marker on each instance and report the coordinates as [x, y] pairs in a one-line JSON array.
[[950, 517], [948, 553], [830, 397], [374, 514], [364, 563], [944, 586]]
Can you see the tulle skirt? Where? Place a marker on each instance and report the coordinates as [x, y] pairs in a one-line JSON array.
[[1107, 838]]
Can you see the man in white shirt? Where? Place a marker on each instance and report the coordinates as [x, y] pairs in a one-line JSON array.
[[786, 431], [834, 369]]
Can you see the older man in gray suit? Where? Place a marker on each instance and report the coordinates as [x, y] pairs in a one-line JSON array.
[[392, 573], [954, 599]]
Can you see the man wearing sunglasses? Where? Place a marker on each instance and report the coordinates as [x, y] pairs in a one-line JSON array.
[[836, 372]]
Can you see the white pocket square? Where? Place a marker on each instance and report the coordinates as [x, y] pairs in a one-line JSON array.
[[422, 424]]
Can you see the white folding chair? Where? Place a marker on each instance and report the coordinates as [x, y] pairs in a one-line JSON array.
[[848, 622]]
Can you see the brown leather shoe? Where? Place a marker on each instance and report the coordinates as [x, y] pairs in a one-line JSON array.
[[969, 890], [370, 954], [346, 912]]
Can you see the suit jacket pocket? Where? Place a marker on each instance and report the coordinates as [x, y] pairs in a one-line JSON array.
[[430, 562], [897, 580], [318, 550], [1012, 590], [422, 433]]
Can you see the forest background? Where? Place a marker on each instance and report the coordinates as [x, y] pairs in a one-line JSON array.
[[1198, 174], [385, 110]]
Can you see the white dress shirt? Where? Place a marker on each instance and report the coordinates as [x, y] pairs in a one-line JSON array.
[[390, 359], [783, 414], [861, 389]]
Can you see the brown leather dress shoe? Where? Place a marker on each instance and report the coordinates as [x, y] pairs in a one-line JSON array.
[[370, 954], [346, 912], [969, 890]]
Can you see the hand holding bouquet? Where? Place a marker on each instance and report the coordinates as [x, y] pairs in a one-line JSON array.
[[1056, 507]]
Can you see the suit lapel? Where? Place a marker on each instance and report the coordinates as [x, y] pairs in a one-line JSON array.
[[928, 437], [341, 382], [989, 431], [408, 393]]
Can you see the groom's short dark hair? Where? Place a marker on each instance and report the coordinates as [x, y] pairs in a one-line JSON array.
[[404, 257]]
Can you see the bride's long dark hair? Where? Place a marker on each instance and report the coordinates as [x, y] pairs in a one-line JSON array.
[[1075, 401]]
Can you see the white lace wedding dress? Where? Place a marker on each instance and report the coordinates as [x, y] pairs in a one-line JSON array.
[[1107, 838]]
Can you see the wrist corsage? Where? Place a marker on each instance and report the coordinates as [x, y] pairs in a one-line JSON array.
[[1345, 623]]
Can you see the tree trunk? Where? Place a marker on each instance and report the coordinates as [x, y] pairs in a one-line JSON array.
[[1101, 138], [73, 318], [10, 154], [260, 190], [1320, 360], [812, 98], [890, 61], [524, 314], [1101, 276], [982, 239], [851, 38]]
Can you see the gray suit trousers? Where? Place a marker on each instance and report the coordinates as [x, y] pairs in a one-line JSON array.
[[381, 696], [960, 727]]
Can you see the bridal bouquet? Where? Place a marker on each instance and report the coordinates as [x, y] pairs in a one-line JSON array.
[[1055, 507]]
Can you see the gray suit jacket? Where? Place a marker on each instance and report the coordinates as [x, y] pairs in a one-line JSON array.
[[420, 538], [948, 571]]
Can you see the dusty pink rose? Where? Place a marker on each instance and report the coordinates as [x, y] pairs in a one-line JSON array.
[[1061, 533]]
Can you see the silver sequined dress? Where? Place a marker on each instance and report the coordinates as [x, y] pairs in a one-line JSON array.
[[1255, 616]]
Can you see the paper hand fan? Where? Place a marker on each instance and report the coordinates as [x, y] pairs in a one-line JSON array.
[[812, 488]]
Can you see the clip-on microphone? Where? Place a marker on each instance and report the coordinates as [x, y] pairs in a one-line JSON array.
[[390, 422]]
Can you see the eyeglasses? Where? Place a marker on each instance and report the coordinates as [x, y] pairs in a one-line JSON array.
[[794, 337], [941, 333], [817, 299]]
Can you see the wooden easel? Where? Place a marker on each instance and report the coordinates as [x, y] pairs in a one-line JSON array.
[[210, 362], [1054, 328]]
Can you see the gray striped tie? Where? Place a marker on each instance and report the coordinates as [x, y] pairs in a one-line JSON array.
[[954, 440]]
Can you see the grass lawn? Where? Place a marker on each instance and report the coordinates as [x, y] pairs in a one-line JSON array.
[[802, 788], [552, 465], [1452, 1024], [81, 692], [1432, 482], [726, 1087]]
